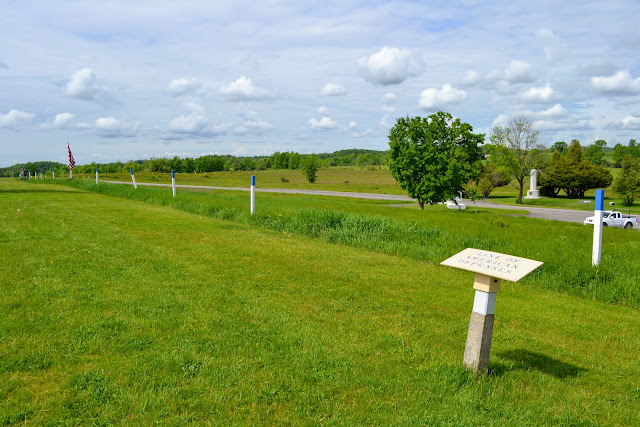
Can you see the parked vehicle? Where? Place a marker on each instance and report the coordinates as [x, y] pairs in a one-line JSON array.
[[615, 219]]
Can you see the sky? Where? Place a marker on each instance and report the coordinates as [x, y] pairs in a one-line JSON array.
[[124, 80]]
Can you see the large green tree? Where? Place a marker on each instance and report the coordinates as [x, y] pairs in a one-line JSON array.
[[433, 158], [627, 183], [516, 149], [573, 174]]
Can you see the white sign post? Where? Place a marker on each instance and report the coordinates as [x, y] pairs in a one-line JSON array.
[[597, 229], [96, 174], [490, 268], [173, 182], [53, 174], [133, 178], [253, 194]]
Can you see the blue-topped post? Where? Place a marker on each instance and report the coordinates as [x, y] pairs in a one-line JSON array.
[[173, 182], [29, 173], [96, 174], [40, 173], [253, 194], [53, 173], [597, 229], [133, 178]]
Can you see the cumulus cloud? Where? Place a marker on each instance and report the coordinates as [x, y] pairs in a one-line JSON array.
[[325, 123], [540, 95], [389, 98], [519, 72], [431, 99], [620, 84], [82, 85], [180, 87], [368, 132], [257, 127], [111, 127], [188, 124], [353, 125], [323, 111], [198, 126], [388, 66], [67, 121], [333, 89], [552, 119], [14, 119], [244, 90], [628, 123], [545, 34], [470, 78]]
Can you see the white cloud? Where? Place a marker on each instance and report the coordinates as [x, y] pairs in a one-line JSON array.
[[368, 132], [545, 34], [353, 125], [244, 90], [257, 127], [111, 127], [323, 111], [66, 121], [554, 118], [519, 72], [389, 98], [540, 95], [388, 66], [179, 87], [188, 124], [325, 123], [470, 78], [431, 99], [628, 123], [82, 85], [197, 125], [620, 83], [14, 119], [333, 89]]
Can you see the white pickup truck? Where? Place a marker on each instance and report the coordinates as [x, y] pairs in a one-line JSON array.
[[615, 219]]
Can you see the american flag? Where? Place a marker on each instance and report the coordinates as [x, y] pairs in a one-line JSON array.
[[72, 162]]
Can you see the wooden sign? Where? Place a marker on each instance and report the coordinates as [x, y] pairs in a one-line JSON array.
[[493, 264]]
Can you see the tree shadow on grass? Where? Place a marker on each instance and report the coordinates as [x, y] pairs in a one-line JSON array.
[[527, 360]]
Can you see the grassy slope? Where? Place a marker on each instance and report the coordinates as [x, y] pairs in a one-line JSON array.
[[121, 311]]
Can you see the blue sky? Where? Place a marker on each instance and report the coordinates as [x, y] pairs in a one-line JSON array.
[[127, 80]]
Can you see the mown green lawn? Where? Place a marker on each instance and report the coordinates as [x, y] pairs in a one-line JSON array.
[[122, 311]]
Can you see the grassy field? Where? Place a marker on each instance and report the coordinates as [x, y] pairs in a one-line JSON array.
[[131, 311], [373, 180]]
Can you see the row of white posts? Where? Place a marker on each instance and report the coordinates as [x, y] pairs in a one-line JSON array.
[[173, 186]]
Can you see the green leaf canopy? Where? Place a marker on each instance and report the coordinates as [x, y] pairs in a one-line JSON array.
[[433, 158]]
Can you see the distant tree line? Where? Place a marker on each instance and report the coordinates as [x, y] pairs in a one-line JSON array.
[[216, 163]]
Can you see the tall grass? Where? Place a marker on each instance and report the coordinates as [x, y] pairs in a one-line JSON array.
[[432, 235]]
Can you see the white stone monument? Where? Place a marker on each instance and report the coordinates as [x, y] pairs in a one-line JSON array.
[[533, 193]]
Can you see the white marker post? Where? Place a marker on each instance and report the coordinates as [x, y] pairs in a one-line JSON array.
[[70, 173], [40, 174], [53, 174], [597, 229], [29, 173], [253, 194], [173, 182], [489, 267], [133, 178], [96, 174]]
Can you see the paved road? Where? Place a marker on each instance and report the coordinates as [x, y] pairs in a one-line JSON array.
[[542, 213]]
